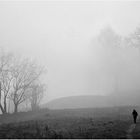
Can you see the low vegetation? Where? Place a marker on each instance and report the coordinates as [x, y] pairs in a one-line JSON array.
[[59, 124], [136, 132]]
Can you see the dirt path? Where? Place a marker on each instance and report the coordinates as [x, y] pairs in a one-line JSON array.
[[130, 130]]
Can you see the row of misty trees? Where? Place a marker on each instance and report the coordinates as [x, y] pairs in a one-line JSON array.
[[19, 82], [108, 37], [115, 49]]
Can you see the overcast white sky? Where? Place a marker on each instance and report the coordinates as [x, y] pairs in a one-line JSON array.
[[59, 35]]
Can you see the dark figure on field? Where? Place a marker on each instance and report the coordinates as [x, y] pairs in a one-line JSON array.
[[135, 115]]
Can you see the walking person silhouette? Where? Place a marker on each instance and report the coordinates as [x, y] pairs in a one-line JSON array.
[[135, 115]]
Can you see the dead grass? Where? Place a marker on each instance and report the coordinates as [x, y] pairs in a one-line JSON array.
[[59, 124]]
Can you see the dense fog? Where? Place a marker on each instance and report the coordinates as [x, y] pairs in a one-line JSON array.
[[85, 45]]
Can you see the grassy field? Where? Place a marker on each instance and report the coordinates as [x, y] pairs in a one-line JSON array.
[[69, 123], [136, 133]]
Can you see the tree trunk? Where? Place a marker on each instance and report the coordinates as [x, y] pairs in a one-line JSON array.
[[15, 108], [5, 105], [8, 110], [2, 110], [1, 107]]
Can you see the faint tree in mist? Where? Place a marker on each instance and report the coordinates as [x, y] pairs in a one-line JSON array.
[[112, 42], [37, 93], [109, 38], [133, 40]]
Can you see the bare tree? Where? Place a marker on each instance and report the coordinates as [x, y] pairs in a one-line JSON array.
[[5, 79], [16, 76], [24, 73]]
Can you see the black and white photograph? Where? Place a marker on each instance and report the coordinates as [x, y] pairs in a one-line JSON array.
[[69, 69]]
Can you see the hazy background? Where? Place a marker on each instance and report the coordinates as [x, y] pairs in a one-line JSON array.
[[61, 35]]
